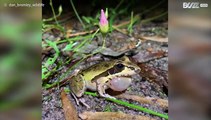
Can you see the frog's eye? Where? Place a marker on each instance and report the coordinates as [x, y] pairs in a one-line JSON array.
[[120, 65]]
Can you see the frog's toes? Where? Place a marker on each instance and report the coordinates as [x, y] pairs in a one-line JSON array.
[[76, 99], [82, 100]]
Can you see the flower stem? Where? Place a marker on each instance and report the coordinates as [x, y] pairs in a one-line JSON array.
[[76, 13], [51, 4], [104, 42]]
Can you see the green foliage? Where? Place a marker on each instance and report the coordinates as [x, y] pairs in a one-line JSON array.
[[130, 27], [108, 108], [73, 45], [68, 47], [50, 61], [91, 21], [66, 90], [113, 13], [53, 45], [53, 18]]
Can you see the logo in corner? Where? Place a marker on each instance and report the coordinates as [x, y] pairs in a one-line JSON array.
[[193, 5]]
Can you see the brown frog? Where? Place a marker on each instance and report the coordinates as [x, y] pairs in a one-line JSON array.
[[113, 74]]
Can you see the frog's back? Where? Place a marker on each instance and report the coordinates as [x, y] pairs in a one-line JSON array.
[[97, 69]]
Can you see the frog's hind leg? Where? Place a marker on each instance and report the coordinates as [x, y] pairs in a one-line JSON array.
[[102, 86], [77, 86]]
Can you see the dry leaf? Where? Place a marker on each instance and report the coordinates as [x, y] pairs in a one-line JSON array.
[[69, 109], [155, 38], [111, 116], [146, 100], [145, 56]]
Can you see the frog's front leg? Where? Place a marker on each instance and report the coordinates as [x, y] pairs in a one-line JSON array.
[[102, 86]]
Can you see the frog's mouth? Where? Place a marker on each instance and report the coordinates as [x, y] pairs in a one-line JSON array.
[[125, 76]]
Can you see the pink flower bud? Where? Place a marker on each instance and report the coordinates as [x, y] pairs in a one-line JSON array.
[[103, 22]]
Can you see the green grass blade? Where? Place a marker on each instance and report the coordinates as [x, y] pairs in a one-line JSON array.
[[132, 106]]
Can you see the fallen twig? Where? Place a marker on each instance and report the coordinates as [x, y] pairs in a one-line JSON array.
[[79, 33]]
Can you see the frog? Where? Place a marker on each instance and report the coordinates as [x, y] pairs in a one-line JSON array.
[[115, 74]]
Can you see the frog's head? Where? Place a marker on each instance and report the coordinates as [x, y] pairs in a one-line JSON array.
[[126, 66], [122, 79]]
